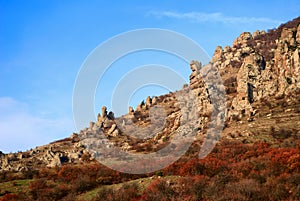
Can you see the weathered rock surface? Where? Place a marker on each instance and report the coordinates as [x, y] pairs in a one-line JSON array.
[[261, 77]]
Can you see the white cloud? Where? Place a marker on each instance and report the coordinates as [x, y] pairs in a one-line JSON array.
[[213, 18], [21, 130]]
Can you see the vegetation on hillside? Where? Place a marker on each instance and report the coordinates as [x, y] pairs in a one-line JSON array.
[[233, 171]]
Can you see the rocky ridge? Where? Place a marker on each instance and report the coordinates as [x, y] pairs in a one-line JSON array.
[[261, 75]]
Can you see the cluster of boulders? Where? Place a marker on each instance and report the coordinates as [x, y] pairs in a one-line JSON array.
[[105, 123], [51, 155]]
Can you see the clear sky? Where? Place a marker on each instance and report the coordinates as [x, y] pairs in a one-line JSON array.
[[44, 43]]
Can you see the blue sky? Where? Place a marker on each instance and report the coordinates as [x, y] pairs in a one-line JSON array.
[[44, 43]]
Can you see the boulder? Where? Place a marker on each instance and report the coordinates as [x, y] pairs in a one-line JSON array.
[[56, 162]]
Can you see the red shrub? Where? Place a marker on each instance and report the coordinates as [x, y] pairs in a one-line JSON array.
[[9, 197], [159, 190], [70, 173]]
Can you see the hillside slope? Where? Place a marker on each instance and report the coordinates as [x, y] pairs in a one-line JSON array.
[[261, 77]]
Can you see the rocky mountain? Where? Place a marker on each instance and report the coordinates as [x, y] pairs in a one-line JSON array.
[[261, 75]]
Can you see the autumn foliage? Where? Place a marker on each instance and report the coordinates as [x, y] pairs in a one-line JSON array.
[[232, 171]]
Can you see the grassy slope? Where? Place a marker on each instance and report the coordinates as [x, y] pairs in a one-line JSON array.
[[14, 187]]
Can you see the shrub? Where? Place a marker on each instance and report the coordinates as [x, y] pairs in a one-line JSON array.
[[125, 193], [244, 190], [69, 173], [278, 188], [192, 167], [197, 187], [104, 194], [9, 197], [159, 190], [83, 183]]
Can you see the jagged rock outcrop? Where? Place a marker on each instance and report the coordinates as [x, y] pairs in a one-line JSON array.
[[261, 75], [249, 73]]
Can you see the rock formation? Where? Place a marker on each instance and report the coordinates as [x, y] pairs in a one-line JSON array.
[[261, 76], [130, 110], [248, 68], [104, 111]]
